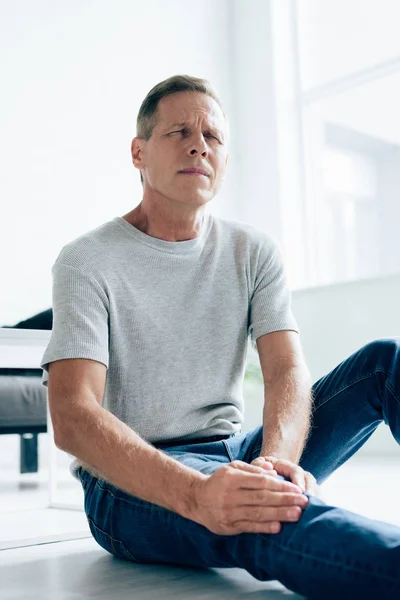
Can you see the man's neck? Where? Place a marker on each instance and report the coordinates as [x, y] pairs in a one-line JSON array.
[[163, 227]]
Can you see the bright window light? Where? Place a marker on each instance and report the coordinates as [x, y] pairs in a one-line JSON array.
[[349, 173]]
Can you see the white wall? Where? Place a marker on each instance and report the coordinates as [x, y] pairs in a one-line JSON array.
[[254, 114], [75, 76], [72, 83], [341, 37], [73, 80], [389, 226]]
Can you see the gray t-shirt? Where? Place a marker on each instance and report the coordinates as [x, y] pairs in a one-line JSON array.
[[170, 320]]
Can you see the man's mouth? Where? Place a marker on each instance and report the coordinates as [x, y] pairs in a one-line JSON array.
[[194, 171]]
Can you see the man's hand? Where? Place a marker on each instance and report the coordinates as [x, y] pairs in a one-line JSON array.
[[243, 498], [303, 479]]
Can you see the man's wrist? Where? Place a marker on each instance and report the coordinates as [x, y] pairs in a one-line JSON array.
[[189, 507], [280, 453]]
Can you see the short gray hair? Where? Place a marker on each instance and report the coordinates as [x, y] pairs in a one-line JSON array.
[[147, 115]]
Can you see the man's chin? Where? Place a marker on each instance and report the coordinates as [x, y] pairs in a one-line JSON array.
[[194, 199]]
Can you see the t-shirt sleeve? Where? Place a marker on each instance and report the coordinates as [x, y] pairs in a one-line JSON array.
[[80, 318], [270, 303]]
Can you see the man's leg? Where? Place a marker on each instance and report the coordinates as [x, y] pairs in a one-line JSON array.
[[349, 404], [328, 553], [142, 532]]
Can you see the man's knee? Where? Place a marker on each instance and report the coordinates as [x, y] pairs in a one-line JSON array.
[[383, 348]]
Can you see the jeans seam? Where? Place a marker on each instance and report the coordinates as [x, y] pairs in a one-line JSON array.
[[389, 387], [112, 539], [350, 385], [326, 561], [228, 450], [136, 504], [256, 451]]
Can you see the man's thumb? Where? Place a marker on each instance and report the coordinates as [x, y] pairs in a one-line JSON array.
[[264, 464], [256, 466]]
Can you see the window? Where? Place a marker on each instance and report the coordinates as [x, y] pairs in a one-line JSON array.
[[338, 77]]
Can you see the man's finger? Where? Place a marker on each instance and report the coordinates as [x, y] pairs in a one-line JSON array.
[[311, 483], [262, 462], [290, 470], [268, 498], [299, 479], [266, 513], [250, 481]]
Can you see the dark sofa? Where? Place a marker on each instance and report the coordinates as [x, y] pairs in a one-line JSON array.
[[23, 400]]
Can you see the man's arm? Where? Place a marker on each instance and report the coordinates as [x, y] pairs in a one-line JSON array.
[[237, 498], [108, 446], [287, 393]]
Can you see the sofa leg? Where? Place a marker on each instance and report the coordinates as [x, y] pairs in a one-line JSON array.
[[29, 453]]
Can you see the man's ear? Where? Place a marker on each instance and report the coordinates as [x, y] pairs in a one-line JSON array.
[[137, 146]]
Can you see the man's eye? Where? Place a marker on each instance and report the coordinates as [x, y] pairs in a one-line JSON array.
[[185, 131]]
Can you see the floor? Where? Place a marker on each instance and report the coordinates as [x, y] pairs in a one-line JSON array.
[[24, 499], [80, 569], [30, 490]]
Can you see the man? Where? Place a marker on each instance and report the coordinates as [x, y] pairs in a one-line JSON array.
[[152, 313]]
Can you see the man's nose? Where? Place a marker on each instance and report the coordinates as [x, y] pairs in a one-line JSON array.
[[198, 146]]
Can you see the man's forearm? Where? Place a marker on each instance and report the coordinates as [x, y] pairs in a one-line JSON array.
[[113, 451], [287, 414]]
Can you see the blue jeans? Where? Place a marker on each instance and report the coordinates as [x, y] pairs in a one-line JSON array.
[[327, 554]]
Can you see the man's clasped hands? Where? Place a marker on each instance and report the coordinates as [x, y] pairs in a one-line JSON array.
[[252, 498]]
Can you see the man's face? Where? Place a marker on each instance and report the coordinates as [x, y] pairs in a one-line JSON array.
[[190, 132]]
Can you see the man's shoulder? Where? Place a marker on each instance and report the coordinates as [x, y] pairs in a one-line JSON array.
[[90, 248], [245, 232]]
